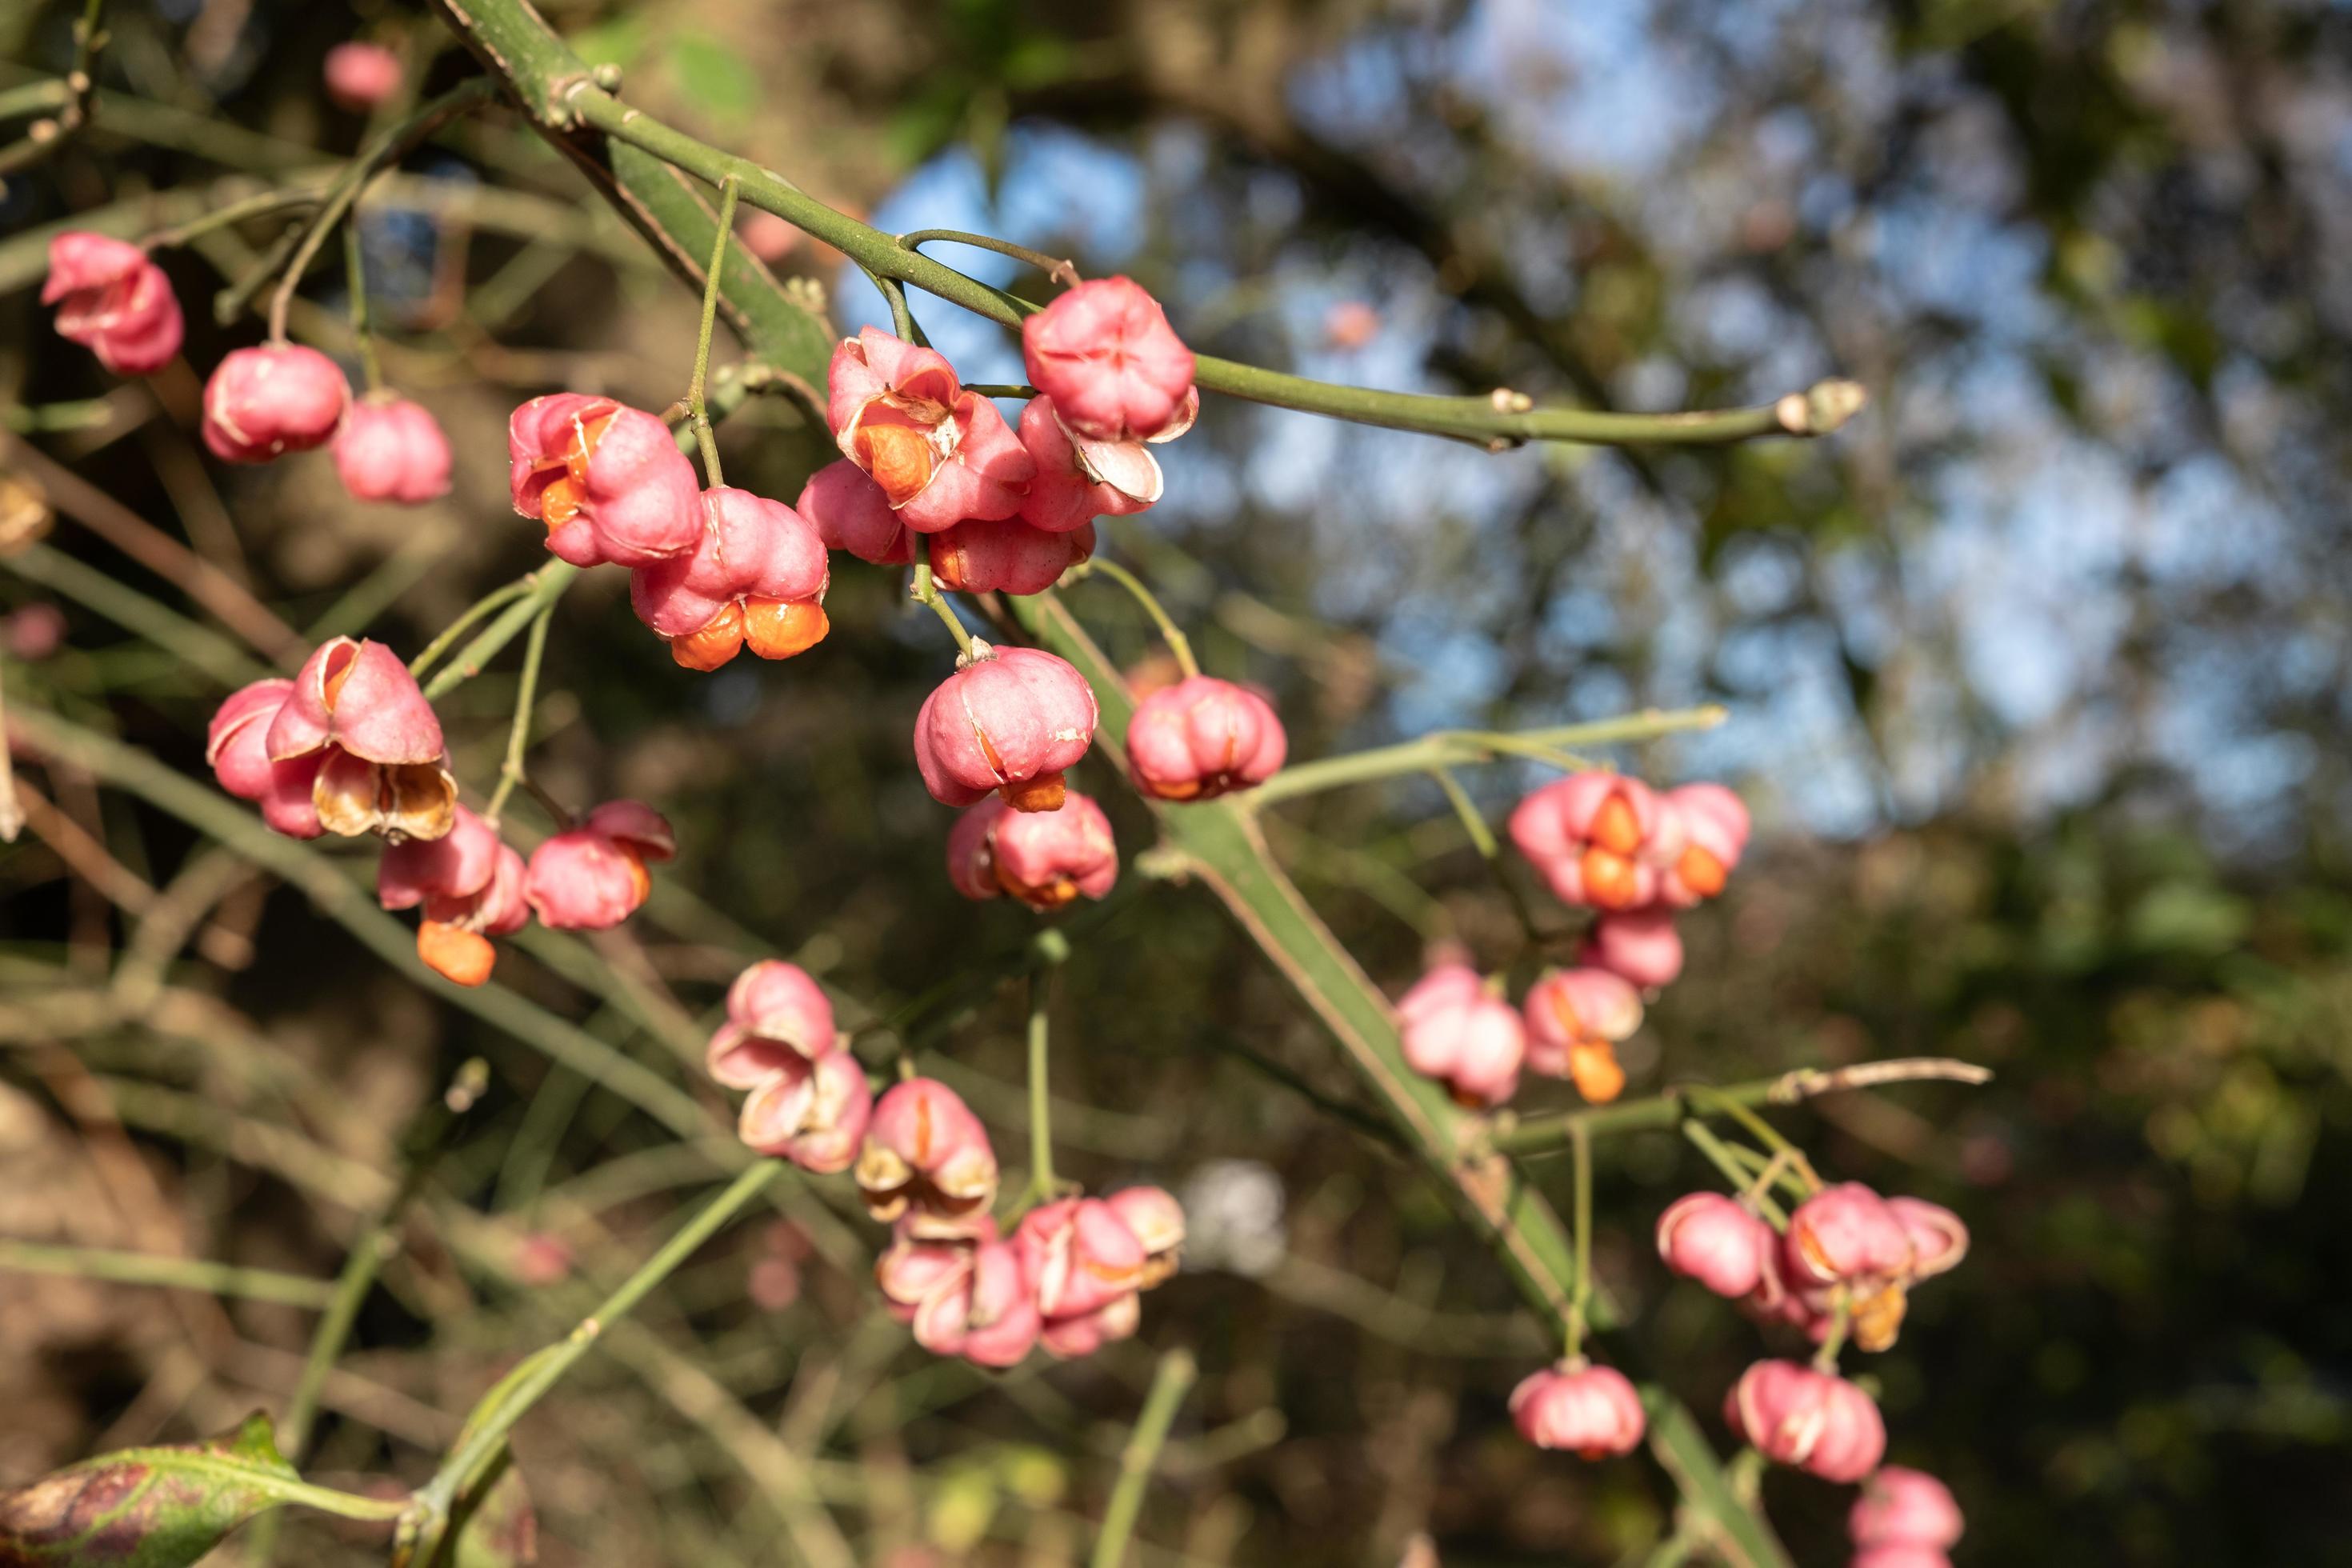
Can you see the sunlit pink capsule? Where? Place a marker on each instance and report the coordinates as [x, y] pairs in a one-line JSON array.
[[1938, 1240], [1079, 1255], [1595, 836], [236, 749], [1202, 738], [941, 455], [391, 449], [1068, 1339], [114, 301], [1642, 945], [756, 579], [1721, 1243], [927, 1162], [355, 709], [1590, 1411], [360, 75], [1079, 479], [607, 480], [1846, 1232], [1008, 721], [1045, 859], [850, 512], [813, 1113], [1107, 356], [260, 402], [1795, 1415], [594, 876], [1712, 827], [1900, 1507], [1006, 556], [776, 1016], [1454, 1030]]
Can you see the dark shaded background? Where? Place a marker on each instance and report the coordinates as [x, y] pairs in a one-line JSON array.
[[2035, 675]]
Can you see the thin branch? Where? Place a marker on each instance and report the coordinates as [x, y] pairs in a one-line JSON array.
[[1538, 1134]]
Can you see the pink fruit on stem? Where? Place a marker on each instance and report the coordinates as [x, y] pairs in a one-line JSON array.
[[1587, 1410], [1045, 859], [471, 885], [360, 75], [1079, 478], [1642, 945], [236, 749], [964, 1297], [114, 301], [1008, 721], [755, 579], [1157, 1221], [850, 512], [594, 876], [261, 403], [1938, 1240], [1712, 827], [1898, 1557], [606, 480], [1597, 837], [1846, 1233], [1078, 1255], [941, 455], [776, 1018], [1006, 556], [355, 708], [391, 449], [811, 1113], [1719, 1241], [927, 1162], [1003, 1322], [1107, 356], [1814, 1420], [1575, 1019], [1454, 1030], [1068, 1339], [1202, 738], [1904, 1507]]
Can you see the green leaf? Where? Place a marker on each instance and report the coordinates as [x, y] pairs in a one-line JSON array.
[[147, 1507]]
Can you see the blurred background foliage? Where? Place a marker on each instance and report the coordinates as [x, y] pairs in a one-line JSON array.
[[2035, 675]]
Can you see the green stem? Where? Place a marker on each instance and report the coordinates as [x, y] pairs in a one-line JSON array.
[[1169, 1385], [553, 579], [1501, 417], [927, 592], [1726, 1159], [696, 404], [1763, 1130], [73, 102], [1482, 838], [379, 153], [1538, 1134], [1451, 748], [1581, 1299], [472, 613], [518, 734], [123, 1267], [1058, 269], [261, 205], [1178, 642], [1840, 1319], [355, 274], [513, 1398], [1041, 1110]]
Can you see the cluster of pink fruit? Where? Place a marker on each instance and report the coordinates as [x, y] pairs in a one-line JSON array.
[[1844, 1267], [1071, 1275], [351, 746], [1631, 853]]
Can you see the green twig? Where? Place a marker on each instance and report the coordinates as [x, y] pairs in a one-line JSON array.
[[471, 614], [1451, 748], [355, 274], [547, 586], [1169, 1386], [1170, 633], [927, 593], [1536, 1134], [695, 403], [1058, 269], [45, 136], [511, 773], [123, 1268]]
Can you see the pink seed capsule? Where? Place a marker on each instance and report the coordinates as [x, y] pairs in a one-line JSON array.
[[1006, 556], [594, 876], [1590, 1411], [1451, 1030], [1938, 1239], [1712, 825], [1157, 1221], [1721, 1243], [1597, 837], [237, 751], [755, 579], [114, 301], [850, 512], [606, 480], [1202, 738], [391, 449], [1898, 1557], [927, 1162], [1068, 1339], [1105, 353], [1009, 720], [355, 708], [1904, 1507], [941, 455], [1079, 1255], [1846, 1232], [1045, 859], [1079, 478], [813, 1113], [1812, 1420], [1570, 1010], [1642, 945], [776, 1016], [360, 74], [261, 403]]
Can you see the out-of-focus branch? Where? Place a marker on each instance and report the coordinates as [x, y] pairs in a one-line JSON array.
[[1666, 1108], [47, 134]]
